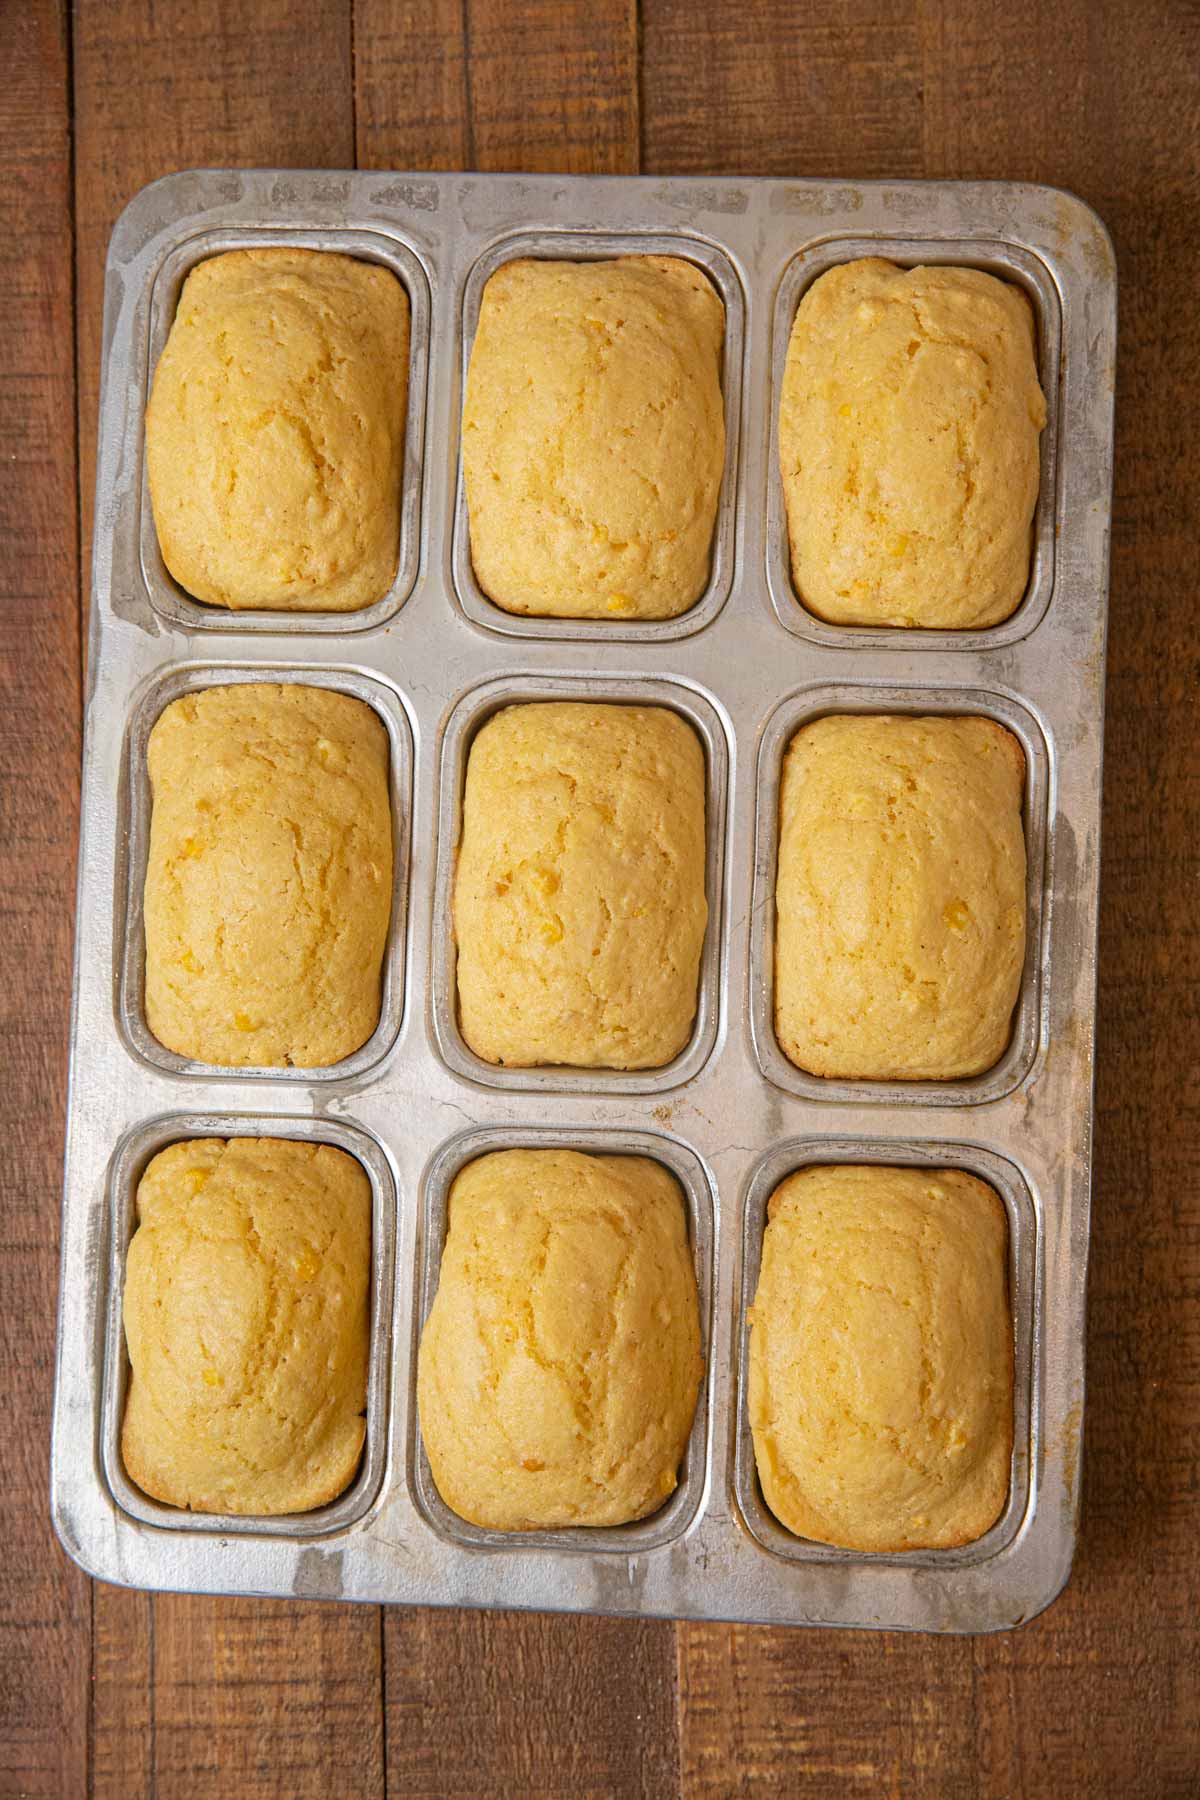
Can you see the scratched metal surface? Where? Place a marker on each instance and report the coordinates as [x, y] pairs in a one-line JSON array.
[[728, 1117]]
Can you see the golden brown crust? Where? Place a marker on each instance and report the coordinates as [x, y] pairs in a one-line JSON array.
[[560, 1362], [594, 437], [908, 442], [579, 903], [881, 1358], [900, 897], [275, 431], [269, 882], [246, 1316]]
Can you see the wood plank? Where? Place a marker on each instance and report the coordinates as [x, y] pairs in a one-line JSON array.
[[265, 1697], [123, 1698], [1102, 1694], [193, 1695], [553, 85], [480, 84], [45, 1619], [846, 1713], [545, 86], [779, 89], [528, 1704], [410, 85]]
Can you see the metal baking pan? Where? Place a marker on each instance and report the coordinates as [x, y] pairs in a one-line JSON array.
[[746, 665]]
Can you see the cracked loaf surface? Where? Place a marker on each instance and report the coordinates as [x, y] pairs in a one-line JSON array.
[[275, 431], [908, 444], [246, 1316], [579, 902], [899, 896], [269, 881], [881, 1359], [594, 437], [560, 1362]]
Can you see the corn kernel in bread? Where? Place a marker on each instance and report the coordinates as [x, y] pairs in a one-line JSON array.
[[900, 897], [594, 437], [579, 905], [246, 1316], [275, 431], [560, 1362], [881, 1361], [908, 443], [269, 882]]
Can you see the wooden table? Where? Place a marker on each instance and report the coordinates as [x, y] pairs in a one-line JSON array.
[[115, 1693]]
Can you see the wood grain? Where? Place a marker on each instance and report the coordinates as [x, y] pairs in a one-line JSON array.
[[193, 1695], [552, 85], [1102, 1694], [44, 1602], [533, 1705], [266, 1697], [410, 85], [845, 1713], [779, 89], [123, 1701], [481, 84]]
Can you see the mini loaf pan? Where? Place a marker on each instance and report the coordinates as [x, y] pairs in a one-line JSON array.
[[1025, 1301], [472, 711], [134, 839], [746, 670], [1010, 262], [679, 1513], [379, 245], [597, 246], [1019, 1059], [125, 1172]]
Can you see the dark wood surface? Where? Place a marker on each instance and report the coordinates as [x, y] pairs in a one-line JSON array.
[[111, 1693]]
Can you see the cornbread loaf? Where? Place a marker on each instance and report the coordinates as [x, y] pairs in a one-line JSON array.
[[246, 1317], [560, 1362], [269, 883], [908, 443], [275, 431], [594, 437], [579, 905], [900, 897], [881, 1361]]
